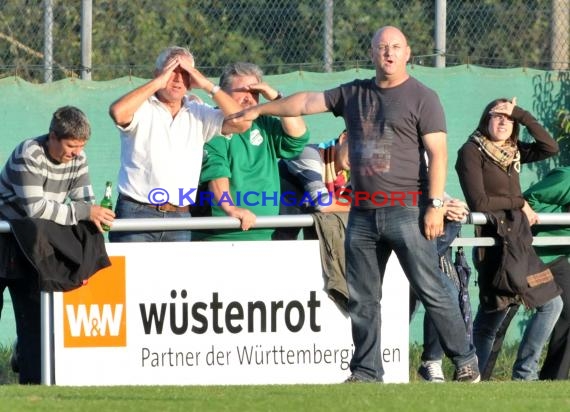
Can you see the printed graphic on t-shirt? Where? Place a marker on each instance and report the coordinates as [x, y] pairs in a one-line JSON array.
[[376, 154], [255, 137]]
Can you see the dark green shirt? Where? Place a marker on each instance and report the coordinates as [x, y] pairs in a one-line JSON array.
[[249, 161], [551, 195]]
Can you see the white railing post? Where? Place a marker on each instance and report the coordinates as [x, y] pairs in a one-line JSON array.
[[48, 370]]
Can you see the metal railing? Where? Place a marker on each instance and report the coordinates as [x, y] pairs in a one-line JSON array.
[[263, 222]]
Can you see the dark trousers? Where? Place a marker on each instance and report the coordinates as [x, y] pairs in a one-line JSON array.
[[557, 362], [21, 279], [293, 191], [26, 303]]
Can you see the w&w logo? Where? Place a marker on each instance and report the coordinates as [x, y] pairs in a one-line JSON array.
[[94, 314]]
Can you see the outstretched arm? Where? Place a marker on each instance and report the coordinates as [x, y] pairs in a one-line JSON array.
[[293, 126], [298, 104]]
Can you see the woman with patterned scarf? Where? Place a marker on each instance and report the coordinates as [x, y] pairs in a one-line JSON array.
[[488, 166]]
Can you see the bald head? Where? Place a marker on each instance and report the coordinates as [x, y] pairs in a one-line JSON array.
[[390, 53], [390, 31]]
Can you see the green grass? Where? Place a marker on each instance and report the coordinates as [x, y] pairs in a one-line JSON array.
[[509, 396], [501, 394], [6, 374]]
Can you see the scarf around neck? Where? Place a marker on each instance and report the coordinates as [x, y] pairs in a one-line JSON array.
[[502, 156]]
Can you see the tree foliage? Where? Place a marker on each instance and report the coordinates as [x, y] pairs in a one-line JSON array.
[[279, 35]]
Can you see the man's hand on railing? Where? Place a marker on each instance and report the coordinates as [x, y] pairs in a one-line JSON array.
[[455, 210], [246, 217]]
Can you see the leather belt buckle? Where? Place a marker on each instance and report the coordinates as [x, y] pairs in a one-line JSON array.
[[167, 208]]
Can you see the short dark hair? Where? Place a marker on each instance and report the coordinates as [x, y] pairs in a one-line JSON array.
[[68, 122], [483, 126]]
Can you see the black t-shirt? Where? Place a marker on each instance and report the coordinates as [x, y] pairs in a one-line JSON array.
[[385, 128]]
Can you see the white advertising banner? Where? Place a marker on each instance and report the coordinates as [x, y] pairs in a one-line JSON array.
[[211, 313]]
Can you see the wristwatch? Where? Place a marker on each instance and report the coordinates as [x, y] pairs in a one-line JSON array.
[[214, 90], [436, 203]]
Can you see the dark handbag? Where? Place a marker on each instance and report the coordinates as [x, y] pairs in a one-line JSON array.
[[203, 204]]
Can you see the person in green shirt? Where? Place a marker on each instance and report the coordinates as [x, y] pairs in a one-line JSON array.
[[241, 170], [552, 195]]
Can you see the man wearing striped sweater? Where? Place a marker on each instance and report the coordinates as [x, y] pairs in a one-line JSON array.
[[45, 178]]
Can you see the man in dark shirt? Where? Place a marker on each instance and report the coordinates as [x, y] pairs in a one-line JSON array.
[[392, 120]]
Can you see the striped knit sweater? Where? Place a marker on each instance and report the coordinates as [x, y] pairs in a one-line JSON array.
[[315, 170], [33, 185]]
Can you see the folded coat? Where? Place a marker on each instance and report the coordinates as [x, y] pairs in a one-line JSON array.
[[65, 257], [511, 272]]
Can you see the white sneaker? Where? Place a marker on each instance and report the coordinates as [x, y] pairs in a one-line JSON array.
[[431, 371]]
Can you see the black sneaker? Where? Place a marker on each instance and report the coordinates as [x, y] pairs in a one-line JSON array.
[[353, 379], [430, 371], [468, 373]]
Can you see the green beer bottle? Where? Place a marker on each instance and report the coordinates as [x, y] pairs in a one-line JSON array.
[[107, 201]]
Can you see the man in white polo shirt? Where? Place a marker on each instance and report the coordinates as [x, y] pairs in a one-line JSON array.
[[162, 138]]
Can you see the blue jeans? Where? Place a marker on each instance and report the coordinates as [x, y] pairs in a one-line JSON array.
[[486, 325], [371, 237], [127, 209]]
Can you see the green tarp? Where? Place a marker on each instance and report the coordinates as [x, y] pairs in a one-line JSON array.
[[25, 111]]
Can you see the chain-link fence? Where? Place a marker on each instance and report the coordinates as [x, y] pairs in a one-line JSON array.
[[104, 39]]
